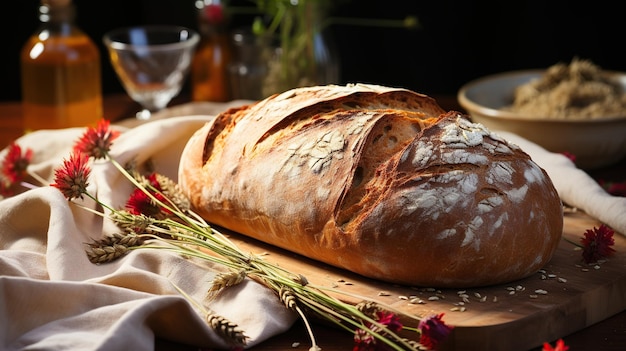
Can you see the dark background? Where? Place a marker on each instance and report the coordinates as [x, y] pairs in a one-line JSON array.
[[458, 41]]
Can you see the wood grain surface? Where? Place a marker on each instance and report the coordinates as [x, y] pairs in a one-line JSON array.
[[566, 296], [512, 322]]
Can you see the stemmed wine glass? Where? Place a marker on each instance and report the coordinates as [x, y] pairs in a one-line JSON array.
[[152, 62]]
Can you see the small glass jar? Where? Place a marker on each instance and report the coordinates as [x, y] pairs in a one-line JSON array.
[[248, 71], [298, 53]]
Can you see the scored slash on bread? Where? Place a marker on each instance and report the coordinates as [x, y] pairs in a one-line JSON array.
[[380, 181]]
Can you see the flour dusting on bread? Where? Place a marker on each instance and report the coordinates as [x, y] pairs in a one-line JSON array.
[[377, 180]]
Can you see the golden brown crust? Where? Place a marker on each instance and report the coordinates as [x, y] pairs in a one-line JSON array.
[[376, 180]]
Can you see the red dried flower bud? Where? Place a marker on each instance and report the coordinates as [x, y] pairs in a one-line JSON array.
[[434, 331], [213, 13], [72, 177], [597, 244]]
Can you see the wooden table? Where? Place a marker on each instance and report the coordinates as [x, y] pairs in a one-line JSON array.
[[609, 334]]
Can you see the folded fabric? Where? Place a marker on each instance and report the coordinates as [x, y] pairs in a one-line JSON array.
[[575, 187], [53, 298]]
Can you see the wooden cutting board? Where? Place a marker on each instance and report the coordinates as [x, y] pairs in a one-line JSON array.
[[566, 296]]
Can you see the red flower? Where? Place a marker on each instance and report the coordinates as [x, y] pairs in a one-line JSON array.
[[364, 341], [390, 320], [96, 142], [15, 163], [560, 346], [434, 331], [597, 244], [72, 178], [140, 203]]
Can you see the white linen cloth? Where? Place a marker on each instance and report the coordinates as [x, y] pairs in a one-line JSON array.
[[53, 298]]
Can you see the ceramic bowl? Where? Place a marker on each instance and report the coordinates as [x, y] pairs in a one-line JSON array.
[[594, 142]]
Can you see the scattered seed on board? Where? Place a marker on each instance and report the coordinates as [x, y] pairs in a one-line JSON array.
[[562, 280], [402, 297], [433, 298], [295, 344], [541, 292], [383, 293], [417, 301]]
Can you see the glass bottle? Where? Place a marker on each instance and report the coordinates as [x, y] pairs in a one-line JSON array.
[[248, 71], [209, 68], [60, 72]]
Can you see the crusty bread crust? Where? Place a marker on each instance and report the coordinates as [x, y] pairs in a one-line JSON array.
[[379, 181]]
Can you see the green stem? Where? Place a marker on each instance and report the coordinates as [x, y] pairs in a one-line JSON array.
[[573, 242], [37, 177], [99, 202], [197, 239]]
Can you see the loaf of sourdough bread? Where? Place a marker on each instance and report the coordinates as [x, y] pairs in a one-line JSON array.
[[378, 181]]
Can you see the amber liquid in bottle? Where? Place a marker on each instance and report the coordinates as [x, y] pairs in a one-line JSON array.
[[61, 82], [209, 68], [209, 76]]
